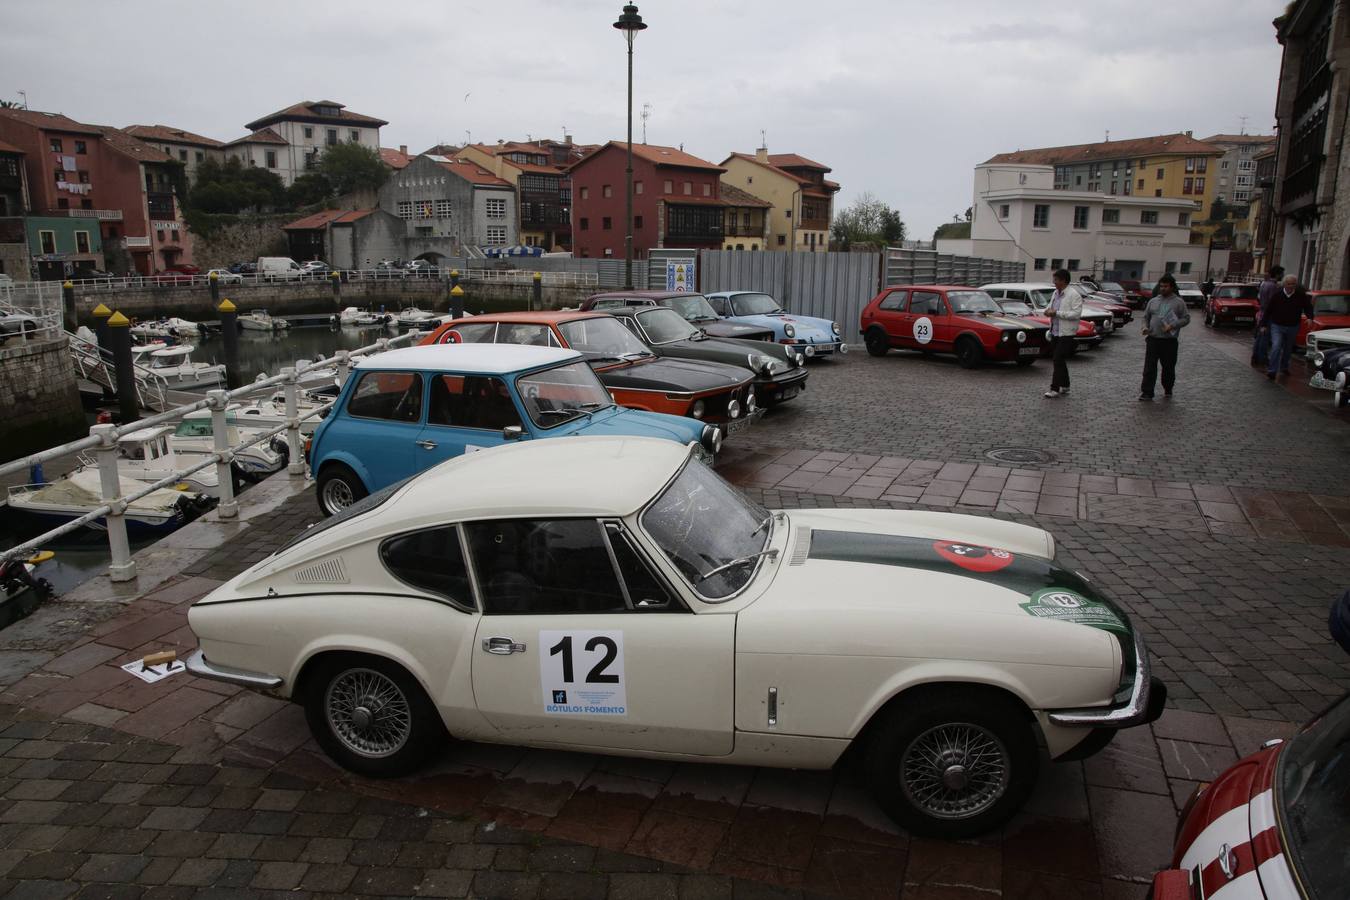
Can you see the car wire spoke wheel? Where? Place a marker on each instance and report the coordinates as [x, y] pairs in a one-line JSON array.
[[954, 771], [368, 713]]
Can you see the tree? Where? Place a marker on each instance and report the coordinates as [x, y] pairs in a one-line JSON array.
[[867, 221], [352, 167], [10, 104], [230, 187], [952, 230], [310, 189]]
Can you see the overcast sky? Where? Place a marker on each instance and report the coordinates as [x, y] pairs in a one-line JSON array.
[[900, 98]]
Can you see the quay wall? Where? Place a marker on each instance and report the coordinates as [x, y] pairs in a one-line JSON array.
[[39, 401], [296, 298]]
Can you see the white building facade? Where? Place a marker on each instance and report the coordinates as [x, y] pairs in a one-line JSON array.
[[1019, 216], [305, 130]]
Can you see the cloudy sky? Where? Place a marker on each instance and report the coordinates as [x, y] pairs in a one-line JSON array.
[[900, 98]]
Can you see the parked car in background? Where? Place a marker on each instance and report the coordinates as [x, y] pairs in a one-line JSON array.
[[779, 372], [615, 595], [1232, 303], [17, 325], [1086, 338], [225, 276], [422, 268], [385, 269], [810, 335], [1134, 294], [279, 268], [315, 268], [1332, 310], [636, 376], [1121, 312], [96, 275], [405, 410], [695, 309], [942, 318], [1191, 292], [1040, 293], [1114, 288], [1328, 354], [6, 281], [244, 268]]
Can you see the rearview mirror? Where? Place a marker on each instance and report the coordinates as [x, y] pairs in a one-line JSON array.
[[513, 432]]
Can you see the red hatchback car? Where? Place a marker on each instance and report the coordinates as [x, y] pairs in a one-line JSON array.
[[1332, 309], [938, 318], [1232, 303]]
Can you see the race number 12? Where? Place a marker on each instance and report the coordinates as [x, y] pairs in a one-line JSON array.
[[582, 673]]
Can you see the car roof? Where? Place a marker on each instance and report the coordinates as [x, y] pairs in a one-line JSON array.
[[605, 476], [645, 295], [936, 287], [480, 359], [1020, 286], [541, 317]]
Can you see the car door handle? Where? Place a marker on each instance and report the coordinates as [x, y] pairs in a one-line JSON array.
[[426, 445], [502, 646]]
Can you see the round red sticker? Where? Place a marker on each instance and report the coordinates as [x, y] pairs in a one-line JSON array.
[[973, 557]]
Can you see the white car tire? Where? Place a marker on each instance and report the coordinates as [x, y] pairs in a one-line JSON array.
[[951, 762], [370, 716]]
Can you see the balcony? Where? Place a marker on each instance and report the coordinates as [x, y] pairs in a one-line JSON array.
[[160, 204], [745, 231], [103, 215]]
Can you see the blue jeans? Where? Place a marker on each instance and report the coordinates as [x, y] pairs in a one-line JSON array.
[[1282, 339]]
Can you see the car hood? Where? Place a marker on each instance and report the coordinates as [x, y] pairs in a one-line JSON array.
[[727, 352], [672, 375], [1001, 320], [635, 422], [725, 329], [1226, 810], [806, 326]]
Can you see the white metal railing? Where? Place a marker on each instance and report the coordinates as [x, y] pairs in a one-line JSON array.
[[105, 215], [102, 440], [38, 301], [90, 363]]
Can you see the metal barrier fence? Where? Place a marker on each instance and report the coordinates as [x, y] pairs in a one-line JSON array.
[[103, 441], [906, 266], [38, 304], [834, 286]]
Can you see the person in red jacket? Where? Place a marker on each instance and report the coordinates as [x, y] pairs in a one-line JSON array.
[[1281, 314]]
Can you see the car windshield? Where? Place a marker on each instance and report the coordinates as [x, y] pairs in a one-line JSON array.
[[694, 307], [563, 393], [702, 523], [1334, 305], [1016, 308], [1112, 288], [1188, 286], [1237, 291], [602, 337], [754, 305], [971, 302], [665, 325], [1310, 781], [1041, 297]]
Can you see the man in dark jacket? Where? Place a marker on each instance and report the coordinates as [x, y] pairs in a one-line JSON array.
[[1270, 286], [1281, 315]]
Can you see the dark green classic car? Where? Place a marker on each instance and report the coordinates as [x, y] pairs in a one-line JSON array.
[[779, 372]]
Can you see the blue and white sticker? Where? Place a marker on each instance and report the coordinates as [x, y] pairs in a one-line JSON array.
[[581, 673], [923, 329]]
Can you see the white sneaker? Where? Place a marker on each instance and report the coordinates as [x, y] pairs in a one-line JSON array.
[[1050, 395]]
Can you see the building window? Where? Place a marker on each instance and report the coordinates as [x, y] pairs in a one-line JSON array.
[[606, 191], [201, 157], [173, 235], [1114, 189], [1185, 268], [1187, 185], [1158, 192], [1041, 216], [1201, 165], [1200, 185], [1038, 264], [1170, 267], [1148, 217], [182, 155], [668, 186], [444, 208], [782, 239], [1057, 264], [423, 209], [1160, 174], [84, 177], [1080, 217], [1003, 209], [1223, 165], [707, 190], [405, 209], [332, 137], [271, 159], [159, 235], [1078, 180], [637, 187], [1190, 164], [1141, 184], [47, 240], [1246, 165], [86, 204], [81, 147], [496, 234], [585, 193], [606, 223], [1183, 219], [309, 132], [637, 222], [496, 208], [688, 188], [355, 136], [62, 203], [55, 144], [60, 174], [1110, 216], [585, 224], [1073, 265]]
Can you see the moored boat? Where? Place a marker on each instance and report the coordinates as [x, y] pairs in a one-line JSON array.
[[81, 492]]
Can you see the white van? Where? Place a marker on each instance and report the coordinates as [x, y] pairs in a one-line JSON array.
[[278, 268]]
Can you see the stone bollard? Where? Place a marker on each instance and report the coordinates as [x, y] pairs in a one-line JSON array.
[[213, 282], [457, 302], [119, 335], [229, 330], [68, 301], [537, 292]]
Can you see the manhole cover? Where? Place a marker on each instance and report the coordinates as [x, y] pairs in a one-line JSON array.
[[1024, 455]]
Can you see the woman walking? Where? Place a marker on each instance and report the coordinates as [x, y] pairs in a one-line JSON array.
[[1066, 306]]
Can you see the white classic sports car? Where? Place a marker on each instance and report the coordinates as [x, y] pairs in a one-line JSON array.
[[614, 595]]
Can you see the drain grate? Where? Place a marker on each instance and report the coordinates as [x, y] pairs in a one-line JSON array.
[[1020, 455]]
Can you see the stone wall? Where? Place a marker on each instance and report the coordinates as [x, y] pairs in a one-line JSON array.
[[14, 261], [39, 402], [232, 239]]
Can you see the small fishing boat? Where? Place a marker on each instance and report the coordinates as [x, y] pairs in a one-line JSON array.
[[175, 365], [148, 455], [195, 436], [268, 413], [412, 317], [171, 326], [259, 320], [81, 492]]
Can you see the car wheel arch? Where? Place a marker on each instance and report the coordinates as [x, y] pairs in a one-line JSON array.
[[313, 658], [897, 696], [346, 461]]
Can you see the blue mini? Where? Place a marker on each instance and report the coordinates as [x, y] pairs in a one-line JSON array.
[[807, 335], [405, 410]]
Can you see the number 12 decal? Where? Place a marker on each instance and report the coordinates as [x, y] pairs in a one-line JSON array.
[[582, 673]]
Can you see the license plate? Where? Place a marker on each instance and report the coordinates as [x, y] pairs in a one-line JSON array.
[[1083, 346], [788, 393], [1318, 380], [1029, 351], [736, 425], [1243, 318]]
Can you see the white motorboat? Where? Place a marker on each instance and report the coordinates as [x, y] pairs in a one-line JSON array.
[[259, 320], [368, 319], [195, 437], [175, 366], [268, 413], [81, 492], [349, 314], [148, 455], [162, 328], [412, 317]]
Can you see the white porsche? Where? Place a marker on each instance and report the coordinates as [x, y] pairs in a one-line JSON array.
[[614, 595]]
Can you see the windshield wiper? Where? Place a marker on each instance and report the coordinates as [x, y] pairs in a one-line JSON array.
[[768, 520], [629, 357], [771, 553], [604, 359]]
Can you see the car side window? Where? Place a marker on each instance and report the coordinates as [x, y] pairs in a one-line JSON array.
[[544, 566], [474, 333], [630, 322], [646, 590], [471, 401], [894, 301], [925, 303], [719, 305], [522, 333], [431, 560], [395, 396]]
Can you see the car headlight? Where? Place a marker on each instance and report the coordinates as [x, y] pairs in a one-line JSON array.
[[799, 359], [789, 331], [1318, 358], [1341, 378], [697, 409], [835, 327], [711, 439], [734, 409], [750, 401], [1021, 337]]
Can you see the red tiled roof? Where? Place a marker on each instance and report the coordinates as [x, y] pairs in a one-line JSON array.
[[655, 154], [1239, 139], [750, 157], [734, 196], [172, 135], [132, 146], [793, 160], [326, 217], [1163, 144], [500, 151], [473, 173], [305, 111], [394, 159], [51, 121], [264, 136], [351, 216], [8, 148]]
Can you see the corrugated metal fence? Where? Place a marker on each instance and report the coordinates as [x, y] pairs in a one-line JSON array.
[[833, 286], [608, 271], [931, 267]]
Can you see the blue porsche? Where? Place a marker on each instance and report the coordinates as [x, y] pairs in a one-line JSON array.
[[810, 336]]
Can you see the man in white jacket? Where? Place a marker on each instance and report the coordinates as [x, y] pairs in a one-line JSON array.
[[1066, 306]]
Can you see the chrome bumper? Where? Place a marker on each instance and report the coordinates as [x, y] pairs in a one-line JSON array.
[[1141, 707], [197, 665]]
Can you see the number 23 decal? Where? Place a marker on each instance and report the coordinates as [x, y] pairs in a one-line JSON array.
[[582, 673], [923, 329]]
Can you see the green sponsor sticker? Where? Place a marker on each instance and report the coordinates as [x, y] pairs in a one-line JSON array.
[[1068, 606]]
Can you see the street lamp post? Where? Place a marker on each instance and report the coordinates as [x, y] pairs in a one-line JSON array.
[[630, 23]]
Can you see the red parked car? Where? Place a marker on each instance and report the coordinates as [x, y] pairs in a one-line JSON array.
[[1086, 338], [938, 318], [1232, 303], [180, 274], [1332, 309]]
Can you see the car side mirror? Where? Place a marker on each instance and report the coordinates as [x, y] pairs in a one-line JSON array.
[[513, 432]]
